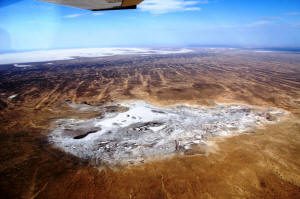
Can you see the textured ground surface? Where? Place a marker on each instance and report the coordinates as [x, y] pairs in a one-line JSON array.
[[261, 164], [141, 131]]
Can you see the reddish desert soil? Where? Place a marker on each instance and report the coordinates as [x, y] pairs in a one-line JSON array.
[[264, 163]]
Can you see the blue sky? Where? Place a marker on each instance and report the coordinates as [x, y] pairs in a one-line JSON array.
[[32, 24]]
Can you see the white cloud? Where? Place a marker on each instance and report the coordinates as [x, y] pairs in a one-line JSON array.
[[76, 15], [97, 13], [73, 15], [166, 6], [259, 23]]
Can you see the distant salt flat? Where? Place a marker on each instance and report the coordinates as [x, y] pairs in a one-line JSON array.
[[263, 51], [143, 131], [22, 65], [12, 96], [67, 54]]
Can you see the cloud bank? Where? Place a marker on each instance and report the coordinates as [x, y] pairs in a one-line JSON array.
[[167, 6]]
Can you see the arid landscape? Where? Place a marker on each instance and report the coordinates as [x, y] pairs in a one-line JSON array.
[[243, 106]]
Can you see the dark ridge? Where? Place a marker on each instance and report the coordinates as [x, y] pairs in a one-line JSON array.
[[3, 104], [156, 111], [84, 135]]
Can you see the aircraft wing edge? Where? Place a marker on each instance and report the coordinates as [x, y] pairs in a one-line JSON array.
[[98, 5]]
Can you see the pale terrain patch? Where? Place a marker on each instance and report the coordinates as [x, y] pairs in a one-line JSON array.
[[22, 65], [68, 54], [135, 131], [12, 96]]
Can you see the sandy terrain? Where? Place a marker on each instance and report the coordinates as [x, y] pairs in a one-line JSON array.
[[263, 163]]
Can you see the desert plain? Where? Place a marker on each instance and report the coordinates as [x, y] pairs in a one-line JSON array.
[[260, 162]]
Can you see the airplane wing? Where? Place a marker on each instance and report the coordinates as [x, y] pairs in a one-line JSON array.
[[96, 5]]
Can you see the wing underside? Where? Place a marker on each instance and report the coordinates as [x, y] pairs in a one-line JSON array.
[[99, 4]]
